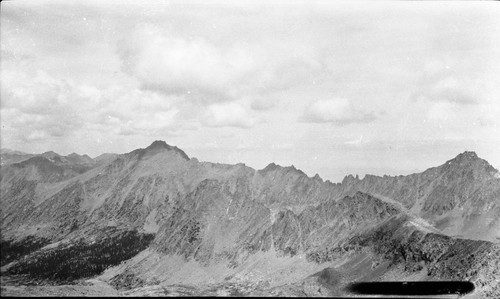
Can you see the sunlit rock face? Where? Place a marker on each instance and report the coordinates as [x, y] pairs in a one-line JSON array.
[[460, 197], [162, 219]]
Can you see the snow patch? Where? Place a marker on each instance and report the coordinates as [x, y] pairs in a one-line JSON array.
[[150, 225]]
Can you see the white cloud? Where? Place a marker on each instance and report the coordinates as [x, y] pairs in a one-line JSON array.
[[36, 94], [440, 81], [449, 89], [180, 65], [208, 72], [104, 79], [338, 111], [441, 112], [359, 142], [227, 115], [132, 111], [39, 107], [263, 103]]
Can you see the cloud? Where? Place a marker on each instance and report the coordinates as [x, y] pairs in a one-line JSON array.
[[359, 142], [440, 83], [227, 115], [263, 103], [176, 65], [129, 111], [33, 127], [39, 106], [448, 89], [338, 111], [208, 71], [441, 112]]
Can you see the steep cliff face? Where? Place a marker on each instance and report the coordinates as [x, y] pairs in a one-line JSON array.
[[213, 223], [358, 238], [288, 187], [232, 218], [460, 197]]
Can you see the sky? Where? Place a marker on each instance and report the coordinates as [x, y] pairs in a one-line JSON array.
[[331, 87]]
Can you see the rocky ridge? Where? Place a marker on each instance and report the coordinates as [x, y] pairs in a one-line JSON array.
[[460, 197], [231, 217]]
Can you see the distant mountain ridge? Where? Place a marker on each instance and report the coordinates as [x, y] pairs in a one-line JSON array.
[[232, 216], [453, 197], [9, 156]]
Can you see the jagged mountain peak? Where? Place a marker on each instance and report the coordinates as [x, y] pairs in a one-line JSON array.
[[317, 177], [54, 157], [470, 160], [221, 214], [50, 154], [159, 146], [467, 156], [350, 178], [273, 166]]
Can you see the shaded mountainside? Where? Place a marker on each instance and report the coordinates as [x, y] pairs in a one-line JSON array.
[[276, 229], [79, 258]]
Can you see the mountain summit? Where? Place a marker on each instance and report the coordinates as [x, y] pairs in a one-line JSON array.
[[157, 144], [160, 145], [465, 157], [164, 219], [469, 161]]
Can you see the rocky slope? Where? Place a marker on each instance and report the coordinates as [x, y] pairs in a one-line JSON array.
[[460, 197], [230, 227]]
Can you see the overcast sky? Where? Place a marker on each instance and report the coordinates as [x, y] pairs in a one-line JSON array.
[[330, 87]]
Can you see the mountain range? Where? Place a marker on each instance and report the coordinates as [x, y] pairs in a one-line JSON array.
[[155, 221]]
